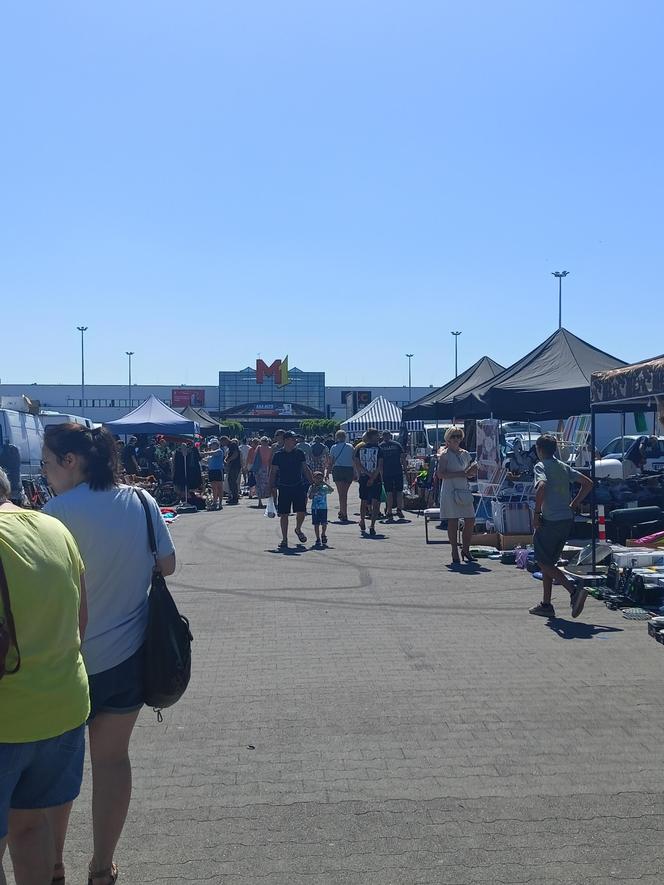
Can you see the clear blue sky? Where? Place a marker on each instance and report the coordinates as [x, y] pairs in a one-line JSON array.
[[342, 181]]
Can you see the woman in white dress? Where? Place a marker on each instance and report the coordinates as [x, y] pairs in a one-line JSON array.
[[455, 467]]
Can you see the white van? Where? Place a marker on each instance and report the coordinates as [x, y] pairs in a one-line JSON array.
[[47, 418], [428, 441], [25, 431]]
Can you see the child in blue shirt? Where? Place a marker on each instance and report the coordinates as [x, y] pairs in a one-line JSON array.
[[318, 495]]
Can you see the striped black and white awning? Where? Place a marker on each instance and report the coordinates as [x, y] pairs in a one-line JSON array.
[[380, 413]]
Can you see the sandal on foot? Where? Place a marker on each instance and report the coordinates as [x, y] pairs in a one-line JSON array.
[[301, 536], [58, 874], [363, 526], [283, 545], [111, 871]]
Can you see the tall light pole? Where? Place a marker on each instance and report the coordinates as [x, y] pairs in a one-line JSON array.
[[82, 330], [456, 353], [130, 354], [561, 274], [410, 384]]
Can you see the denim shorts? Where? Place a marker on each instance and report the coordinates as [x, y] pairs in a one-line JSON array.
[[549, 540], [319, 516], [40, 774], [118, 690]]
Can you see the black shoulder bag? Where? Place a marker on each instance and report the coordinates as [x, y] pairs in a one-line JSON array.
[[7, 629], [167, 649]]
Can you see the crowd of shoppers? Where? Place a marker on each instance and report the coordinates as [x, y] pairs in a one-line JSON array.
[[74, 582], [286, 468]]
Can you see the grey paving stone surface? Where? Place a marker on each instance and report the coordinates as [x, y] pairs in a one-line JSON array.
[[362, 715]]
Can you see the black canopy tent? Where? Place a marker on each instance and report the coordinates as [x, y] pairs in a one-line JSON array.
[[205, 421], [550, 382], [439, 403], [631, 388]]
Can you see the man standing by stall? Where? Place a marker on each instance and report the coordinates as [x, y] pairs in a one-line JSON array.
[[393, 468], [554, 519]]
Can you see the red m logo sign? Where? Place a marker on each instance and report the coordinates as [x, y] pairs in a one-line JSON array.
[[278, 371]]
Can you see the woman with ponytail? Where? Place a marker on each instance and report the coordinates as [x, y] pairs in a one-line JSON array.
[[108, 523]]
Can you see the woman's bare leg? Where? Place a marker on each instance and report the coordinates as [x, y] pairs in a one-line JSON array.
[[468, 529], [342, 489], [453, 535], [111, 783], [31, 847]]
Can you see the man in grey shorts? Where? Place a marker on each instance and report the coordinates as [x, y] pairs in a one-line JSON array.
[[554, 518]]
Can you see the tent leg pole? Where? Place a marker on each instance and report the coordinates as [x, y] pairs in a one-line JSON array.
[[593, 508]]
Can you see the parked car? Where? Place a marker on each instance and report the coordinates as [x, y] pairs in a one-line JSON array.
[[512, 428], [620, 444]]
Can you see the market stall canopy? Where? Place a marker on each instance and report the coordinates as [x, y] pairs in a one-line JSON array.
[[550, 382], [153, 416], [205, 421], [380, 413], [440, 403], [631, 388]]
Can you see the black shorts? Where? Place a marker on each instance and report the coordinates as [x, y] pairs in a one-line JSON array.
[[370, 492], [291, 497], [393, 483], [215, 475], [549, 540], [118, 690]]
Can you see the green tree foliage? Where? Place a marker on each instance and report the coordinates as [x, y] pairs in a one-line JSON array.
[[232, 428], [318, 426]]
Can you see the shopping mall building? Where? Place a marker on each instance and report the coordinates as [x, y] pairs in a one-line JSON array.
[[263, 397]]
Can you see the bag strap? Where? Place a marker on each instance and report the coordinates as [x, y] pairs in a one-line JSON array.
[[341, 450], [151, 535], [9, 617]]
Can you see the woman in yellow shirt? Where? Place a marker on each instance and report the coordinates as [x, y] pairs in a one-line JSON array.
[[45, 703]]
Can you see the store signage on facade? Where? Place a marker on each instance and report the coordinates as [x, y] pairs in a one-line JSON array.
[[278, 371], [181, 397], [272, 409]]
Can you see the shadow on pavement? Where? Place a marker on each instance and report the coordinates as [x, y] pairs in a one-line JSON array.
[[467, 568], [575, 630], [297, 550]]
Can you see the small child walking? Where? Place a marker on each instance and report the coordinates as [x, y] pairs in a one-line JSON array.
[[318, 494]]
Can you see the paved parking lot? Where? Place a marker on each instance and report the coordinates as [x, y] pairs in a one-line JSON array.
[[362, 715]]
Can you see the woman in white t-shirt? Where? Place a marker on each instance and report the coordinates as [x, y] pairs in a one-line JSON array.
[[341, 461], [109, 525]]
